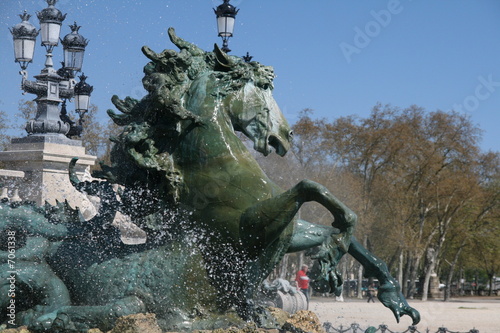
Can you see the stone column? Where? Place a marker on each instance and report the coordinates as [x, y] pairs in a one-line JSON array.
[[44, 159], [434, 291]]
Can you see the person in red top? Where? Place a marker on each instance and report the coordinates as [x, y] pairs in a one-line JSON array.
[[303, 281]]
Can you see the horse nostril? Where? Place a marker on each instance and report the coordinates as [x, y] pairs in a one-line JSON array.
[[290, 135]]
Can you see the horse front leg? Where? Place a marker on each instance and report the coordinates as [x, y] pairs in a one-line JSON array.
[[263, 223], [265, 238], [318, 237], [389, 292]]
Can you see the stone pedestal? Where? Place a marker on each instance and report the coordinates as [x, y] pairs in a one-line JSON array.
[[434, 291], [44, 159]]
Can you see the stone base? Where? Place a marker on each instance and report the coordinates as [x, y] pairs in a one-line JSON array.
[[301, 322], [47, 138], [44, 159], [137, 323], [434, 291]]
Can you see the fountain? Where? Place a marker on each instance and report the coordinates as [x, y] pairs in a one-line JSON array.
[[215, 224]]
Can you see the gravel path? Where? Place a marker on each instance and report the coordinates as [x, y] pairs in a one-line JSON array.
[[458, 315]]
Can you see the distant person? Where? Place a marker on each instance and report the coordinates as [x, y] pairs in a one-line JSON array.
[[303, 281], [371, 293]]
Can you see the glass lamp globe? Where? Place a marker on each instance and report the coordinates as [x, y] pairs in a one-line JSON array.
[[51, 19], [226, 14], [74, 49], [24, 35], [82, 94]]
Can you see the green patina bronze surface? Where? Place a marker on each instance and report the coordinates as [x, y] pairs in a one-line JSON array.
[[216, 224]]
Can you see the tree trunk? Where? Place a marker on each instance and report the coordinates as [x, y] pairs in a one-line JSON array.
[[490, 279], [412, 271], [360, 281], [406, 275], [360, 271], [301, 260], [283, 268], [400, 269], [447, 290], [430, 265]]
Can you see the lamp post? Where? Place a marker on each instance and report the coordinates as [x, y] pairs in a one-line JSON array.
[[226, 14], [51, 87]]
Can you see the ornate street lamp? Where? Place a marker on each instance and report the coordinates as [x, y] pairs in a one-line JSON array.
[[226, 14], [24, 35], [82, 95], [51, 87], [74, 48]]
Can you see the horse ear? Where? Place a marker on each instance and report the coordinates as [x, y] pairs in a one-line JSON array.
[[150, 54], [224, 62], [184, 45]]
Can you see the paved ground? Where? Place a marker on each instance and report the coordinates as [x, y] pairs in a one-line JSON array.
[[458, 315]]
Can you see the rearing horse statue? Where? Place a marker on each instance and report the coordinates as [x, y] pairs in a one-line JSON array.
[[180, 144]]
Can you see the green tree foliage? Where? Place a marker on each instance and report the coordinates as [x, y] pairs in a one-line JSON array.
[[4, 126], [92, 135], [27, 111], [419, 178], [111, 130]]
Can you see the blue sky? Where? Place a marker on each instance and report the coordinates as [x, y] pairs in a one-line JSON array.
[[335, 57]]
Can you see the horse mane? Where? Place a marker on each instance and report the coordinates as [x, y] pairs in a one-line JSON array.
[[153, 126]]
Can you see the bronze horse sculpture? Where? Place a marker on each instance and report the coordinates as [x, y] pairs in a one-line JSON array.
[[179, 151], [183, 135]]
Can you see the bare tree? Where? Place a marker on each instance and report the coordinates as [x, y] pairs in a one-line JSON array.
[[419, 175], [4, 126]]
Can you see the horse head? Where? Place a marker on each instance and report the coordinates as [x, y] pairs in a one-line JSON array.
[[251, 105], [185, 90]]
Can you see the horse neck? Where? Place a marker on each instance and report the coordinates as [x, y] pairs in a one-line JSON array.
[[216, 137], [203, 96]]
